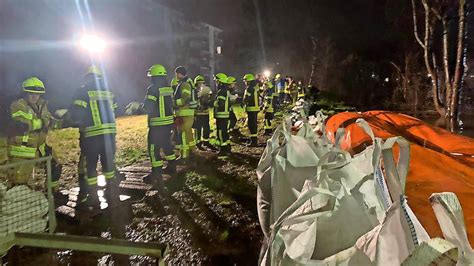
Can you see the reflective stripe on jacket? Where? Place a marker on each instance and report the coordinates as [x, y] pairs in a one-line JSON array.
[[183, 95], [159, 106], [94, 109], [31, 128], [221, 103], [251, 97]]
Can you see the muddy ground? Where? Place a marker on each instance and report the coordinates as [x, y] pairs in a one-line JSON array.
[[206, 214]]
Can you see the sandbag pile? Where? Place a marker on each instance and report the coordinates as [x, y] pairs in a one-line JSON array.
[[320, 205], [22, 210]]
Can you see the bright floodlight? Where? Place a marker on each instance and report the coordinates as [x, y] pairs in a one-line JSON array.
[[267, 73], [92, 43]]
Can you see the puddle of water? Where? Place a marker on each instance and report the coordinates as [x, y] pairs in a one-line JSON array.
[[104, 205], [101, 181], [124, 197]]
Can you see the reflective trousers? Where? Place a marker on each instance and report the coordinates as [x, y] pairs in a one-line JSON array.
[[159, 138], [268, 122], [252, 123], [185, 139], [203, 128], [93, 149], [222, 125]]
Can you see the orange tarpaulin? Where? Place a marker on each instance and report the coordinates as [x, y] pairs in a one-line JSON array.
[[439, 160]]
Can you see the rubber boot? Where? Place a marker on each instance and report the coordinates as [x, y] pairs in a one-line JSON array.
[[224, 152], [170, 168], [156, 177], [201, 146], [209, 146], [253, 142]]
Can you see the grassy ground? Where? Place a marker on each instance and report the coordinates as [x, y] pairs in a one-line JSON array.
[[131, 146]]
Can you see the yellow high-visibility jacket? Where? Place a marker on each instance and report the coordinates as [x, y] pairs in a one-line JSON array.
[[31, 128]]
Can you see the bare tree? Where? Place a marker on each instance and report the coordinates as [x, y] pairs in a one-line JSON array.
[[323, 57], [313, 60], [445, 94]]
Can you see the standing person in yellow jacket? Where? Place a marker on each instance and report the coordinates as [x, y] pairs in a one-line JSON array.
[[252, 106], [30, 122], [159, 107], [301, 93], [93, 111], [201, 124], [184, 112], [221, 113], [269, 106]]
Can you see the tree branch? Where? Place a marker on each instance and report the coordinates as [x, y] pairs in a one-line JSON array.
[[415, 26]]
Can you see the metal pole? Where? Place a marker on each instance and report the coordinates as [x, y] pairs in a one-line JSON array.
[[212, 52]]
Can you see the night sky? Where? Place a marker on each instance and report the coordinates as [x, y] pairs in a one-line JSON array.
[[352, 36]]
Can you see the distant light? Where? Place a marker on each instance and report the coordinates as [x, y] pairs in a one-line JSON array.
[[219, 50], [429, 75], [92, 43], [373, 75], [387, 79], [267, 73]]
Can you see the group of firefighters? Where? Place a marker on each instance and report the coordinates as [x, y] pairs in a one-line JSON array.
[[178, 119]]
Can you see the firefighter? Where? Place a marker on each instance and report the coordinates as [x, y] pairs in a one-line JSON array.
[[158, 105], [293, 88], [279, 85], [30, 122], [183, 100], [301, 93], [288, 84], [221, 113], [93, 111], [202, 126], [269, 107], [235, 107], [252, 107]]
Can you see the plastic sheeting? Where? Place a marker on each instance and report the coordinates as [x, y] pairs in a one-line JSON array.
[[439, 160]]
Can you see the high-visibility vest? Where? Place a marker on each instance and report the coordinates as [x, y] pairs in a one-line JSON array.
[[270, 103], [94, 106], [251, 98], [33, 121], [183, 96], [301, 93], [221, 103], [193, 103], [159, 106]]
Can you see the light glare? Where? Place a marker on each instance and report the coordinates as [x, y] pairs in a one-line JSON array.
[[92, 43], [267, 73]]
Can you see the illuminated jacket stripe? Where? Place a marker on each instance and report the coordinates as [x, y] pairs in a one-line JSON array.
[[81, 103], [22, 151]]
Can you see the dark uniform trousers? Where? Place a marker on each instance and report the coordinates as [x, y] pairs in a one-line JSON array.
[[252, 123], [159, 138], [92, 149], [203, 127], [268, 122], [222, 125]]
